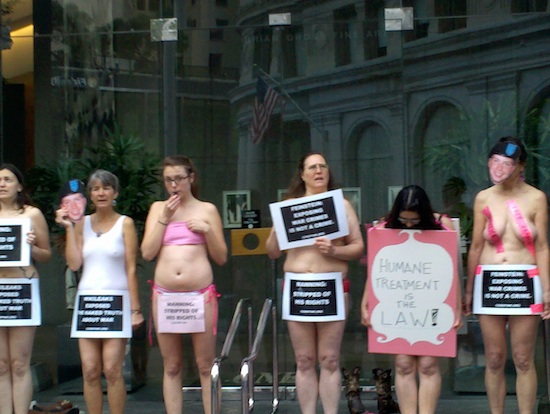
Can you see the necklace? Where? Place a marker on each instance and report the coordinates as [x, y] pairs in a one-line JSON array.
[[107, 222]]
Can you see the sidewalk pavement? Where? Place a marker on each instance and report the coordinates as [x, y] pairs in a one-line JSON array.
[[148, 400]]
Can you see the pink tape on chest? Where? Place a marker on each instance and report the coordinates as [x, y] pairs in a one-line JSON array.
[[524, 229], [491, 232]]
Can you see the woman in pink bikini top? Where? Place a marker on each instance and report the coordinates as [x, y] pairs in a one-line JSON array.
[[177, 233], [184, 233], [510, 232]]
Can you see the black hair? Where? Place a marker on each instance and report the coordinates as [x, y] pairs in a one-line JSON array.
[[413, 198], [22, 199]]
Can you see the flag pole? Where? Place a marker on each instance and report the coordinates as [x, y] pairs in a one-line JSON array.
[[285, 93]]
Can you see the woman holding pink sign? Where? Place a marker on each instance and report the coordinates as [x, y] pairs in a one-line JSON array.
[[105, 245], [508, 283], [417, 377], [182, 233], [16, 340], [318, 342]]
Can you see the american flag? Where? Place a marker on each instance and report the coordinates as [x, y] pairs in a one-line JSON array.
[[266, 99]]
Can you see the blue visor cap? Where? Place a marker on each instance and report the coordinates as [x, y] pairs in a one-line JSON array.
[[507, 149]]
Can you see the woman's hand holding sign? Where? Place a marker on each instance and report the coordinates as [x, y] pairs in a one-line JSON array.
[[31, 237], [325, 246]]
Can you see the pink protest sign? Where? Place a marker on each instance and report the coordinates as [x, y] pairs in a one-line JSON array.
[[412, 292]]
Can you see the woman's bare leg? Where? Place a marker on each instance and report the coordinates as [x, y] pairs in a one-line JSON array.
[[304, 342], [21, 339], [204, 347], [493, 330], [90, 356], [329, 340], [113, 360], [406, 387], [429, 390], [523, 336]]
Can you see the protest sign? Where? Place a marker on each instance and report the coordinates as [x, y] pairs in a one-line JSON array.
[[14, 249], [180, 312], [412, 291], [20, 302], [507, 290], [102, 314], [299, 221], [313, 297]]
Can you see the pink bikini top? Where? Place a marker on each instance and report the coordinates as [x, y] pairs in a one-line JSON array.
[[525, 231], [178, 234]]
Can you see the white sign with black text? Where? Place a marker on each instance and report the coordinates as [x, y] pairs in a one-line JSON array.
[[299, 221], [313, 297], [14, 249], [102, 314], [507, 290], [20, 302]]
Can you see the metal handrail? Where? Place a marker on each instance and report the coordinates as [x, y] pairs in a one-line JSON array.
[[215, 370], [247, 367]]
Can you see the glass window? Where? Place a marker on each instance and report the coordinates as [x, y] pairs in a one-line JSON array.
[[262, 48], [451, 15], [527, 6], [343, 34], [388, 109], [374, 32], [215, 63]]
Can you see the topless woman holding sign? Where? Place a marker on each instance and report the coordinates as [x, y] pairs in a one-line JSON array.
[[182, 232], [318, 342], [510, 228], [16, 341]]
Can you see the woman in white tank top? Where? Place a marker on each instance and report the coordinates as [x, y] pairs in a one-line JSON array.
[[104, 244]]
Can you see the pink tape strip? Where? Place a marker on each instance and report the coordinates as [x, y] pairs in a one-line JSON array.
[[537, 308], [533, 272], [491, 232], [524, 228]]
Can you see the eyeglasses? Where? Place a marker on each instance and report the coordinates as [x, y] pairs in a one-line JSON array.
[[177, 179], [404, 220], [315, 166]]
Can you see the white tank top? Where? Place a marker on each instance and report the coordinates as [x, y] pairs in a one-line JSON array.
[[104, 265]]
